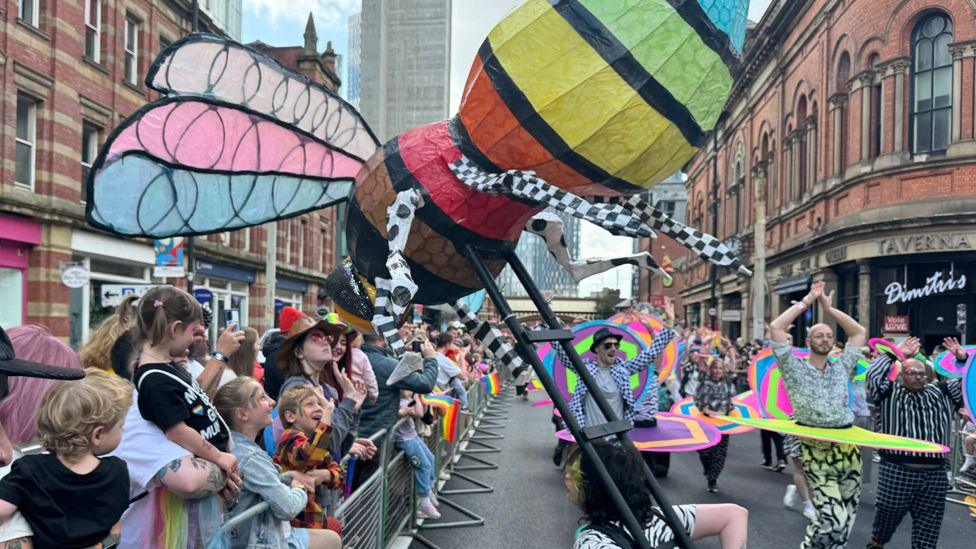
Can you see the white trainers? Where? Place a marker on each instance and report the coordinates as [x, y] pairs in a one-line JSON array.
[[809, 511], [444, 475], [433, 499], [789, 500], [967, 464], [426, 509]]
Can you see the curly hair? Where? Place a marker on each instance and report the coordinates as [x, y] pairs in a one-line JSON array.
[[97, 352], [72, 410], [626, 468]]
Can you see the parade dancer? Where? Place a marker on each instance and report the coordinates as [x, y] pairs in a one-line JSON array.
[[714, 397], [910, 482], [818, 390], [612, 375]]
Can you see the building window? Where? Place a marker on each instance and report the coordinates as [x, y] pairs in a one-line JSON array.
[[26, 139], [668, 207], [740, 183], [89, 148], [302, 227], [27, 11], [93, 22], [131, 50], [932, 89]]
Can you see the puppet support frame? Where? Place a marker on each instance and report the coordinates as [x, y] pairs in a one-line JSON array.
[[557, 335]]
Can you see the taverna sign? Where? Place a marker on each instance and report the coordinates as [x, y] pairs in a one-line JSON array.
[[935, 284]]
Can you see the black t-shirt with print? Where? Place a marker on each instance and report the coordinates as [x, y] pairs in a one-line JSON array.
[[169, 395], [64, 508]]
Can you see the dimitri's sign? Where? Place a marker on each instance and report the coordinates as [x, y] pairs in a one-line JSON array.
[[934, 285]]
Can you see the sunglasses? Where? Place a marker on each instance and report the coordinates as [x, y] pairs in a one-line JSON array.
[[611, 345], [320, 338]]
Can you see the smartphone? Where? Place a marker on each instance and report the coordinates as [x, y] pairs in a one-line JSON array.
[[232, 316], [415, 346]]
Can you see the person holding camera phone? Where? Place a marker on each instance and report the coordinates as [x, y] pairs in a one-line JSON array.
[[449, 375]]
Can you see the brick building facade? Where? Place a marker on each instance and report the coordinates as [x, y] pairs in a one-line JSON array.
[[848, 154], [69, 74]]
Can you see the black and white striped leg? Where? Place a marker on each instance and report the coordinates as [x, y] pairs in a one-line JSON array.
[[399, 219], [383, 321], [527, 186], [491, 338], [550, 227], [702, 244]]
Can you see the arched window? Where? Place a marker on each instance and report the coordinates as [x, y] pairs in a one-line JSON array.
[[843, 77], [932, 84], [876, 100], [800, 149]]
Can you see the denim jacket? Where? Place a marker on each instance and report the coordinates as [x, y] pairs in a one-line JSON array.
[[263, 482]]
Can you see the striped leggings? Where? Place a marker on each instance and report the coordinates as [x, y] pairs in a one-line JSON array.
[[833, 473], [713, 459], [920, 492]]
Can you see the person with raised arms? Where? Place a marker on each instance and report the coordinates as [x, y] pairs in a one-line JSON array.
[[818, 390]]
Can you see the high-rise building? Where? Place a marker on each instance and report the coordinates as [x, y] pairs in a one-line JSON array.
[[354, 60], [226, 14], [405, 60], [547, 274]]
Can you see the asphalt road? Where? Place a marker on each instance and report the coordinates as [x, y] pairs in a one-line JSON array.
[[528, 507]]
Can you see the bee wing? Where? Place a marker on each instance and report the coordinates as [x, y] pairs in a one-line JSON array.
[[212, 66], [191, 165]]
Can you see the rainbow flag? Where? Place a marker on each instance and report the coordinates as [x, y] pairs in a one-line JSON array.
[[449, 408], [492, 383]]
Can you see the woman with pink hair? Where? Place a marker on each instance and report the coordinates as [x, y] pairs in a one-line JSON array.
[[31, 359]]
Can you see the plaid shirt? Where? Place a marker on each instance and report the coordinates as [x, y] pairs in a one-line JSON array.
[[296, 452], [620, 372]]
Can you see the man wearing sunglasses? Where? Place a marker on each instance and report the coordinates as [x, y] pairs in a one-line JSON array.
[[909, 482], [612, 374]]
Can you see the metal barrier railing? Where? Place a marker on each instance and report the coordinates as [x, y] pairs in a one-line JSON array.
[[383, 505]]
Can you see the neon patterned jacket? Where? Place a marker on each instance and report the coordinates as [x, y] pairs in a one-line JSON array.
[[620, 372], [297, 452]]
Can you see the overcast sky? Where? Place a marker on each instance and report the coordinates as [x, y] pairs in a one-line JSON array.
[[282, 22]]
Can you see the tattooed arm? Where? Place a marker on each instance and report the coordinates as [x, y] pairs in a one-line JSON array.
[[192, 478]]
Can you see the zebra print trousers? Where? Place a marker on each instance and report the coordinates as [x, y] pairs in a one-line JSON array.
[[833, 473]]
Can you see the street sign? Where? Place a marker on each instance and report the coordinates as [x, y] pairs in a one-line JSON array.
[[75, 276], [712, 311], [896, 324], [732, 315], [175, 271], [112, 294], [203, 295]]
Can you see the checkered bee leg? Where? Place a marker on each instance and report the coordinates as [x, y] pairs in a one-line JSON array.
[[399, 218], [550, 227], [489, 336], [704, 245], [383, 322], [525, 185]]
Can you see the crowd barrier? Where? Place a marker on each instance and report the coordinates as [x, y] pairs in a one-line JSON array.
[[383, 507]]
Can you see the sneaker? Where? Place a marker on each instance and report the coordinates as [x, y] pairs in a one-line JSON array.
[[444, 475], [779, 467], [433, 499], [466, 411], [766, 466], [967, 464], [426, 510], [876, 458], [712, 486], [809, 511], [789, 500]]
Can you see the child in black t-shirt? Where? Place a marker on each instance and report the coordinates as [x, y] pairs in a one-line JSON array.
[[168, 395], [71, 497]]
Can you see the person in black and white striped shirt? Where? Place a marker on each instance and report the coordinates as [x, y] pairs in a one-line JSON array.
[[908, 482]]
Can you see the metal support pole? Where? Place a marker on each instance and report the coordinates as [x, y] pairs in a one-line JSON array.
[[270, 273], [524, 346]]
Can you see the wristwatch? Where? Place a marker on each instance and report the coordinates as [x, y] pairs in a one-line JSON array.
[[221, 356]]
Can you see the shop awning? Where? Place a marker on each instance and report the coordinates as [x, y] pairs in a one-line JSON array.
[[791, 284]]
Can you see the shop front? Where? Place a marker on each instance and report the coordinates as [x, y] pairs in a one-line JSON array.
[[17, 236], [926, 295], [228, 288], [118, 267]]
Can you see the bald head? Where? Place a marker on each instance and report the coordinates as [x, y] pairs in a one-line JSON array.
[[915, 375], [820, 339]]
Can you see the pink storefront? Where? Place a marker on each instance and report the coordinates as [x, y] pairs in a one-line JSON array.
[[17, 236]]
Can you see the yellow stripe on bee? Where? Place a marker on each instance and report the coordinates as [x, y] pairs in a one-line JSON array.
[[583, 98]]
